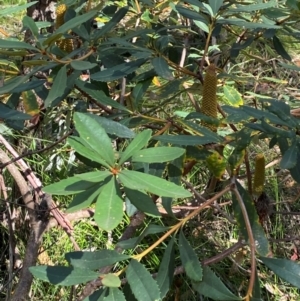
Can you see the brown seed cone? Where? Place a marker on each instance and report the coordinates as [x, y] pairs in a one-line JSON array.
[[209, 105]]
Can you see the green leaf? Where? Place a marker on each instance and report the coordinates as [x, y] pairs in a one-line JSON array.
[[14, 9], [232, 96], [141, 181], [187, 139], [212, 287], [280, 49], [82, 65], [166, 270], [84, 150], [142, 284], [262, 244], [58, 87], [95, 136], [286, 269], [162, 68], [13, 83], [97, 95], [189, 259], [113, 127], [114, 293], [118, 71], [94, 260], [16, 45], [133, 242], [111, 280], [60, 275], [187, 13], [94, 176], [136, 144], [109, 206], [85, 198], [117, 17], [139, 91], [142, 201], [31, 25], [157, 154], [68, 186], [97, 295], [215, 5], [77, 21], [253, 7], [289, 158], [7, 113], [247, 25]]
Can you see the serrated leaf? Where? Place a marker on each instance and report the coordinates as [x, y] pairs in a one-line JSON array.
[[133, 242], [118, 71], [114, 128], [280, 49], [189, 259], [95, 136], [97, 295], [94, 260], [139, 91], [7, 113], [98, 95], [162, 68], [136, 144], [31, 25], [157, 154], [85, 198], [58, 88], [187, 13], [262, 244], [82, 65], [30, 103], [16, 45], [212, 287], [232, 96], [111, 280], [61, 275], [68, 186], [81, 147], [142, 284], [289, 159], [76, 21], [166, 270], [142, 201], [141, 181], [109, 206], [286, 269], [94, 176], [117, 17], [114, 294], [187, 139]]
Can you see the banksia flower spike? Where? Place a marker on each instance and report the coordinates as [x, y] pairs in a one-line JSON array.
[[259, 175], [60, 14], [209, 100], [66, 45]]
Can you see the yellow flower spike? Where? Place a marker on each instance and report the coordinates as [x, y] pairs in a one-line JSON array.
[[209, 105], [216, 164], [259, 174], [60, 14]]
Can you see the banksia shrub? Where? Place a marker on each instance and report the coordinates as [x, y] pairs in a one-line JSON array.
[[259, 175], [209, 99]]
